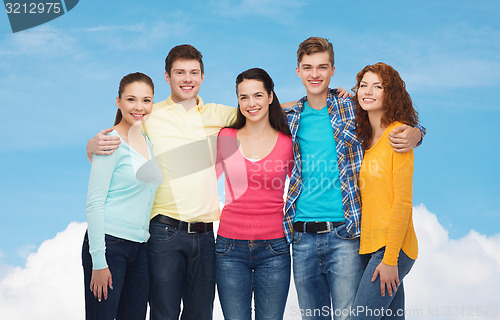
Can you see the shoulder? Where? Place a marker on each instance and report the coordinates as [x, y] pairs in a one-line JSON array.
[[227, 132]]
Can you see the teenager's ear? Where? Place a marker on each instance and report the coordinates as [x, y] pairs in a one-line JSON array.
[[118, 102], [297, 70], [167, 77]]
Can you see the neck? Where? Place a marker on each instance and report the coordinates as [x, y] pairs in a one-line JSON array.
[[261, 128], [187, 104], [375, 118], [317, 101], [125, 129]]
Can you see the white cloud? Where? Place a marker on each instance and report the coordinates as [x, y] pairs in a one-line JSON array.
[[450, 280], [50, 286], [453, 279]]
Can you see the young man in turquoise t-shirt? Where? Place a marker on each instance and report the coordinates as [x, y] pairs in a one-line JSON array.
[[323, 208]]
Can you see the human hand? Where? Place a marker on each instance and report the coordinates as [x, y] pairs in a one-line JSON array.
[[388, 278], [101, 279], [404, 138], [102, 144], [343, 93]]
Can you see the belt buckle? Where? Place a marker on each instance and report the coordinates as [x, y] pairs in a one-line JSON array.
[[328, 228], [189, 228]]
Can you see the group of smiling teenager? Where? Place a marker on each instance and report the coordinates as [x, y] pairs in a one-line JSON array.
[[152, 197]]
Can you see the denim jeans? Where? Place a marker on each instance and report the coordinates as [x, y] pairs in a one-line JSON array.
[[181, 267], [261, 267], [127, 262], [369, 303], [327, 269]]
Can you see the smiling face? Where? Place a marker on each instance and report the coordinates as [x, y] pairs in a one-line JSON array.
[[371, 93], [135, 102], [185, 79], [315, 70], [254, 100]]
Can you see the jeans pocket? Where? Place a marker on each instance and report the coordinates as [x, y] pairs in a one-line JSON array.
[[112, 240], [342, 233], [161, 232], [279, 247], [222, 247], [297, 236]]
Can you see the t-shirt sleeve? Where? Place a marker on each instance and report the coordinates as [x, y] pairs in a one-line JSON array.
[[227, 114], [101, 174]]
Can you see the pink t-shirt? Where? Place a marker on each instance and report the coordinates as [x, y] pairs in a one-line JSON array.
[[254, 189]]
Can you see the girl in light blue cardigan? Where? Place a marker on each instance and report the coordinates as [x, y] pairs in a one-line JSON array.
[[121, 191]]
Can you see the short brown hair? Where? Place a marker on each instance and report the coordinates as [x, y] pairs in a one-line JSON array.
[[183, 51], [315, 44]]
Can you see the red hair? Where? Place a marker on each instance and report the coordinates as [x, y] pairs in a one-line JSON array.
[[397, 102]]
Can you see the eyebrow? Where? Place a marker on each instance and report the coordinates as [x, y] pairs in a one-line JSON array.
[[246, 94], [378, 82], [199, 70]]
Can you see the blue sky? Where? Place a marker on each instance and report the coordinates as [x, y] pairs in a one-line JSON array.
[[59, 81]]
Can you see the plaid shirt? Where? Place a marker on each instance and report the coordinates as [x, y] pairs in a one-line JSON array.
[[349, 153]]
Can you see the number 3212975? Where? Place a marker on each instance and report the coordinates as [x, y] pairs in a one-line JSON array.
[[33, 8]]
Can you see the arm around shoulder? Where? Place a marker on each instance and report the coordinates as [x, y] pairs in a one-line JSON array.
[[102, 144]]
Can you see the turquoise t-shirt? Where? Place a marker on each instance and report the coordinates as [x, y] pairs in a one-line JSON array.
[[320, 198]]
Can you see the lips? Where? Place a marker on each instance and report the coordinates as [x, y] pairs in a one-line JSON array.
[[315, 82], [253, 111], [137, 116], [187, 88]]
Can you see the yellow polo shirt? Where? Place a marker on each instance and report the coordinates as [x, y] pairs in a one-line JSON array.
[[184, 145]]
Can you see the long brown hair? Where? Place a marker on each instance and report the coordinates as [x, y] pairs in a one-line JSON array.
[[276, 116], [397, 101], [125, 81]]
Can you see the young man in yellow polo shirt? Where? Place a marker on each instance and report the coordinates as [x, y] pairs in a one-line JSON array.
[[181, 250]]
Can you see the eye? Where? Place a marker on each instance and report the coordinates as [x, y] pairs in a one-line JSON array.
[[130, 99], [362, 85], [379, 87], [147, 100], [260, 95]]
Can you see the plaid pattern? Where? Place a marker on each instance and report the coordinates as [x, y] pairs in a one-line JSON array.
[[350, 155]]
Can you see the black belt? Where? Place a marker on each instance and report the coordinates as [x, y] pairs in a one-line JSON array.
[[316, 226], [190, 227]]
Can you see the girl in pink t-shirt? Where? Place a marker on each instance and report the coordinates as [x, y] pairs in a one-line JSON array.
[[255, 154]]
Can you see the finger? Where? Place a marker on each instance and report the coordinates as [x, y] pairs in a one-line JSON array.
[[397, 137], [108, 142], [382, 288], [397, 281], [106, 131], [110, 282], [99, 293], [105, 292], [402, 150], [400, 128], [375, 274], [394, 286], [104, 152], [389, 288]]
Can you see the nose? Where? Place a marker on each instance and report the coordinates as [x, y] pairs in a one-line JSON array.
[[314, 72]]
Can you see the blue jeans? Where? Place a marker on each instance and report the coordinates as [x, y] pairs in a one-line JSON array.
[[181, 267], [127, 262], [369, 303], [243, 267], [327, 269]]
